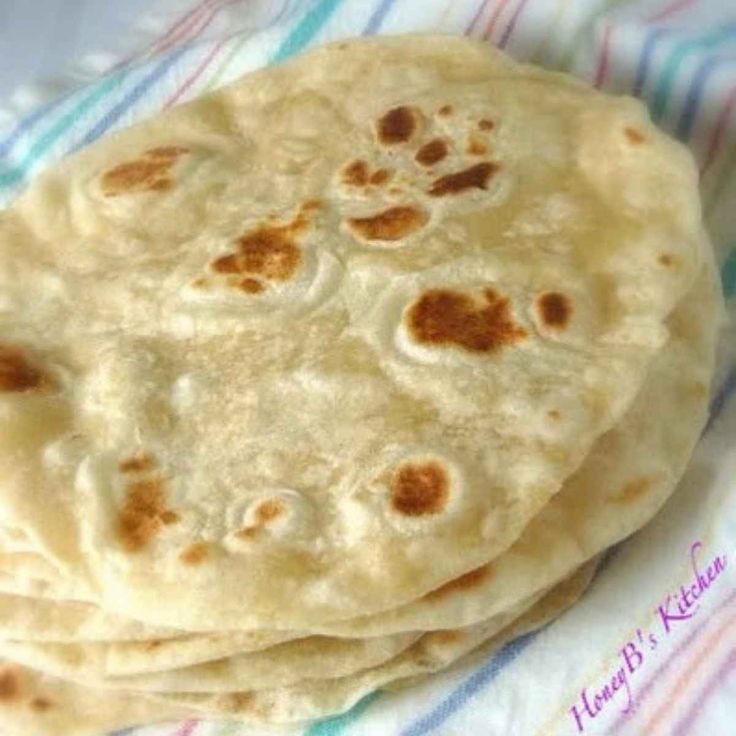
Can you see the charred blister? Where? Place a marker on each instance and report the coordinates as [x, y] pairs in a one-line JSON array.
[[151, 172], [451, 318], [18, 374]]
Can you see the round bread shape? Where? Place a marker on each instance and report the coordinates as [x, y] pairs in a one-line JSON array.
[[347, 337]]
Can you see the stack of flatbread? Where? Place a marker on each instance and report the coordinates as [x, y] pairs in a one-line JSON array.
[[322, 382]]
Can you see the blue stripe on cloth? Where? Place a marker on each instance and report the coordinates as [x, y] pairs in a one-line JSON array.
[[718, 404], [379, 15], [28, 122], [25, 125], [608, 557], [335, 726], [305, 30], [112, 116], [682, 51], [470, 687], [645, 59], [13, 175], [695, 94]]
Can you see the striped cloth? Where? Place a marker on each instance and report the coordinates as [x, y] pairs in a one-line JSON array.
[[679, 55]]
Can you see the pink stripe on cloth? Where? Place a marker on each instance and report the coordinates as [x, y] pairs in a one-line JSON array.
[[678, 692], [654, 678], [179, 28], [200, 24], [671, 9], [476, 17], [186, 729], [196, 73], [182, 27], [684, 726], [494, 18], [719, 132], [602, 71], [512, 24]]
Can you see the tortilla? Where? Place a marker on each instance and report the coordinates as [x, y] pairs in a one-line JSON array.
[[292, 342]]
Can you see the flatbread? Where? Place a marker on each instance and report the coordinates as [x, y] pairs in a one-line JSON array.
[[289, 346], [66, 709], [275, 666], [630, 473], [623, 482], [433, 652]]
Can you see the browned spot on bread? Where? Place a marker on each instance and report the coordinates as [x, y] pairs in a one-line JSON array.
[[248, 532], [356, 174], [195, 554], [474, 177], [464, 582], [227, 264], [200, 283], [161, 185], [666, 259], [398, 125], [267, 252], [311, 205], [143, 514], [150, 173], [447, 636], [394, 223], [555, 309], [41, 705], [476, 147], [486, 124], [138, 463], [269, 510], [9, 685], [445, 111], [380, 176], [265, 513], [420, 489], [632, 491], [270, 251], [238, 702], [635, 136], [153, 644], [553, 414], [252, 286], [17, 374], [166, 152], [446, 317], [431, 152]]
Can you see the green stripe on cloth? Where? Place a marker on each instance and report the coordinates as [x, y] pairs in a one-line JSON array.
[[708, 42], [306, 29], [294, 42], [18, 172], [221, 68], [336, 726], [728, 275]]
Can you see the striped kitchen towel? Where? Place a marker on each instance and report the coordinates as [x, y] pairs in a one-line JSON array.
[[596, 670]]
